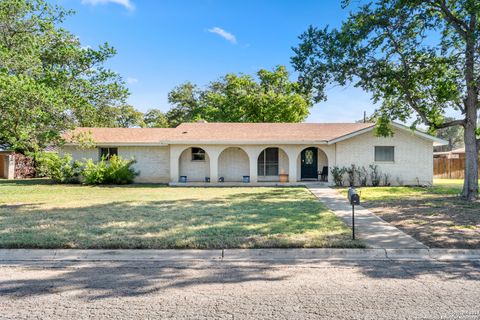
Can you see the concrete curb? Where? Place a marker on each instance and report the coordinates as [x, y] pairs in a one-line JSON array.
[[239, 255]]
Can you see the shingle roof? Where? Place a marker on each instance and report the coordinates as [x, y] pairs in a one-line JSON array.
[[125, 135], [225, 132], [288, 132]]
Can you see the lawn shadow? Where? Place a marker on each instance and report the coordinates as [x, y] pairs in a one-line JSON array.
[[26, 182]]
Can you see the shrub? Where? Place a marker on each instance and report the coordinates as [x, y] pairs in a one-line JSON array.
[[351, 173], [337, 175], [399, 181], [386, 180], [375, 175], [114, 171], [362, 176], [120, 171], [61, 169], [94, 173]]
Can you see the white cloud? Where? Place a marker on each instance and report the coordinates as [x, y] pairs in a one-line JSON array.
[[132, 80], [125, 3], [224, 34]]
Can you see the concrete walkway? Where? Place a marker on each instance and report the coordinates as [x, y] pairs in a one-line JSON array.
[[374, 231]]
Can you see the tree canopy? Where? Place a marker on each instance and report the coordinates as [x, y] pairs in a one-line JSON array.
[[453, 134], [155, 118], [240, 98], [419, 59], [48, 82]]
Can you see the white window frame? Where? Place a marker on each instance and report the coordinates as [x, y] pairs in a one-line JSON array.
[[383, 161], [200, 152]]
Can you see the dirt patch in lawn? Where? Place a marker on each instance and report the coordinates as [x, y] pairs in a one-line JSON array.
[[439, 222]]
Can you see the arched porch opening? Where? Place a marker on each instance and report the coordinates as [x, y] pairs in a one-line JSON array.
[[233, 164], [194, 164], [312, 165], [272, 165]]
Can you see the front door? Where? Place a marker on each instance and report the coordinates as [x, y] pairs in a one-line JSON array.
[[309, 169]]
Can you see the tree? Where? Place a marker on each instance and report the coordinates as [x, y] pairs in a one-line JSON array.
[[155, 118], [185, 99], [416, 57], [48, 82], [122, 116], [453, 134], [240, 98], [128, 117]]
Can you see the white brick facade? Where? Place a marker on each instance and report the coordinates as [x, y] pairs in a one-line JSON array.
[[413, 163]]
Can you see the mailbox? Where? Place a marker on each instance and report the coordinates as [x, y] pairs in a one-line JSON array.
[[354, 200], [353, 197]]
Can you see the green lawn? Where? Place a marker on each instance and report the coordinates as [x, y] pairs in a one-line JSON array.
[[449, 187], [435, 215], [36, 214]]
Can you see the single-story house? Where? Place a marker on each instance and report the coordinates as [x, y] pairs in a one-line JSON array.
[[454, 154], [262, 152]]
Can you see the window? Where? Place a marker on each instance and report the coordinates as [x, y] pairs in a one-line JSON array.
[[268, 162], [308, 156], [198, 154], [384, 153], [107, 153]]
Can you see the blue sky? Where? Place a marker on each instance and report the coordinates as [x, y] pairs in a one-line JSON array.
[[164, 43]]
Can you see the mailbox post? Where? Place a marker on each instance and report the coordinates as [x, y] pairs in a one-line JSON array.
[[354, 199]]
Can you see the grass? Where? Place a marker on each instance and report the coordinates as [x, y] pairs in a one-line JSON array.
[[448, 187], [435, 216], [37, 214]]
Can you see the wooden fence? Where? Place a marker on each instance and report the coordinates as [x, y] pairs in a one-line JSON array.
[[449, 168]]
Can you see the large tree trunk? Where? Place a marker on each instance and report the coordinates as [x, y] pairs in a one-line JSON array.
[[470, 183]]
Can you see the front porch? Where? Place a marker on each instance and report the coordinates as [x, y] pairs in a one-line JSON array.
[[250, 184], [259, 165]]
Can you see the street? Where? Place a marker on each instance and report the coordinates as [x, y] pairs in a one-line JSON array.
[[234, 290]]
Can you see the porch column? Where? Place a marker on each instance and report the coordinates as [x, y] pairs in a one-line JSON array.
[[213, 155], [175, 152], [252, 153], [213, 167], [253, 170], [292, 154]]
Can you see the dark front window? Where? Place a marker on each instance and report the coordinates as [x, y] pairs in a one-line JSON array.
[[384, 153], [107, 153], [198, 154], [268, 162]]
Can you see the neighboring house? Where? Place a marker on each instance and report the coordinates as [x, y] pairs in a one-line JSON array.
[[262, 152], [454, 154]]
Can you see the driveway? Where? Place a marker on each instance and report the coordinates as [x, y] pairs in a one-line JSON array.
[[234, 290]]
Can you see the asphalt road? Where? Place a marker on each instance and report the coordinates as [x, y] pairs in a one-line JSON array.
[[221, 290]]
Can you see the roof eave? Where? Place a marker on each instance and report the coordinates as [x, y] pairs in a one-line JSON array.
[[197, 142], [351, 135], [436, 141], [124, 144]]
